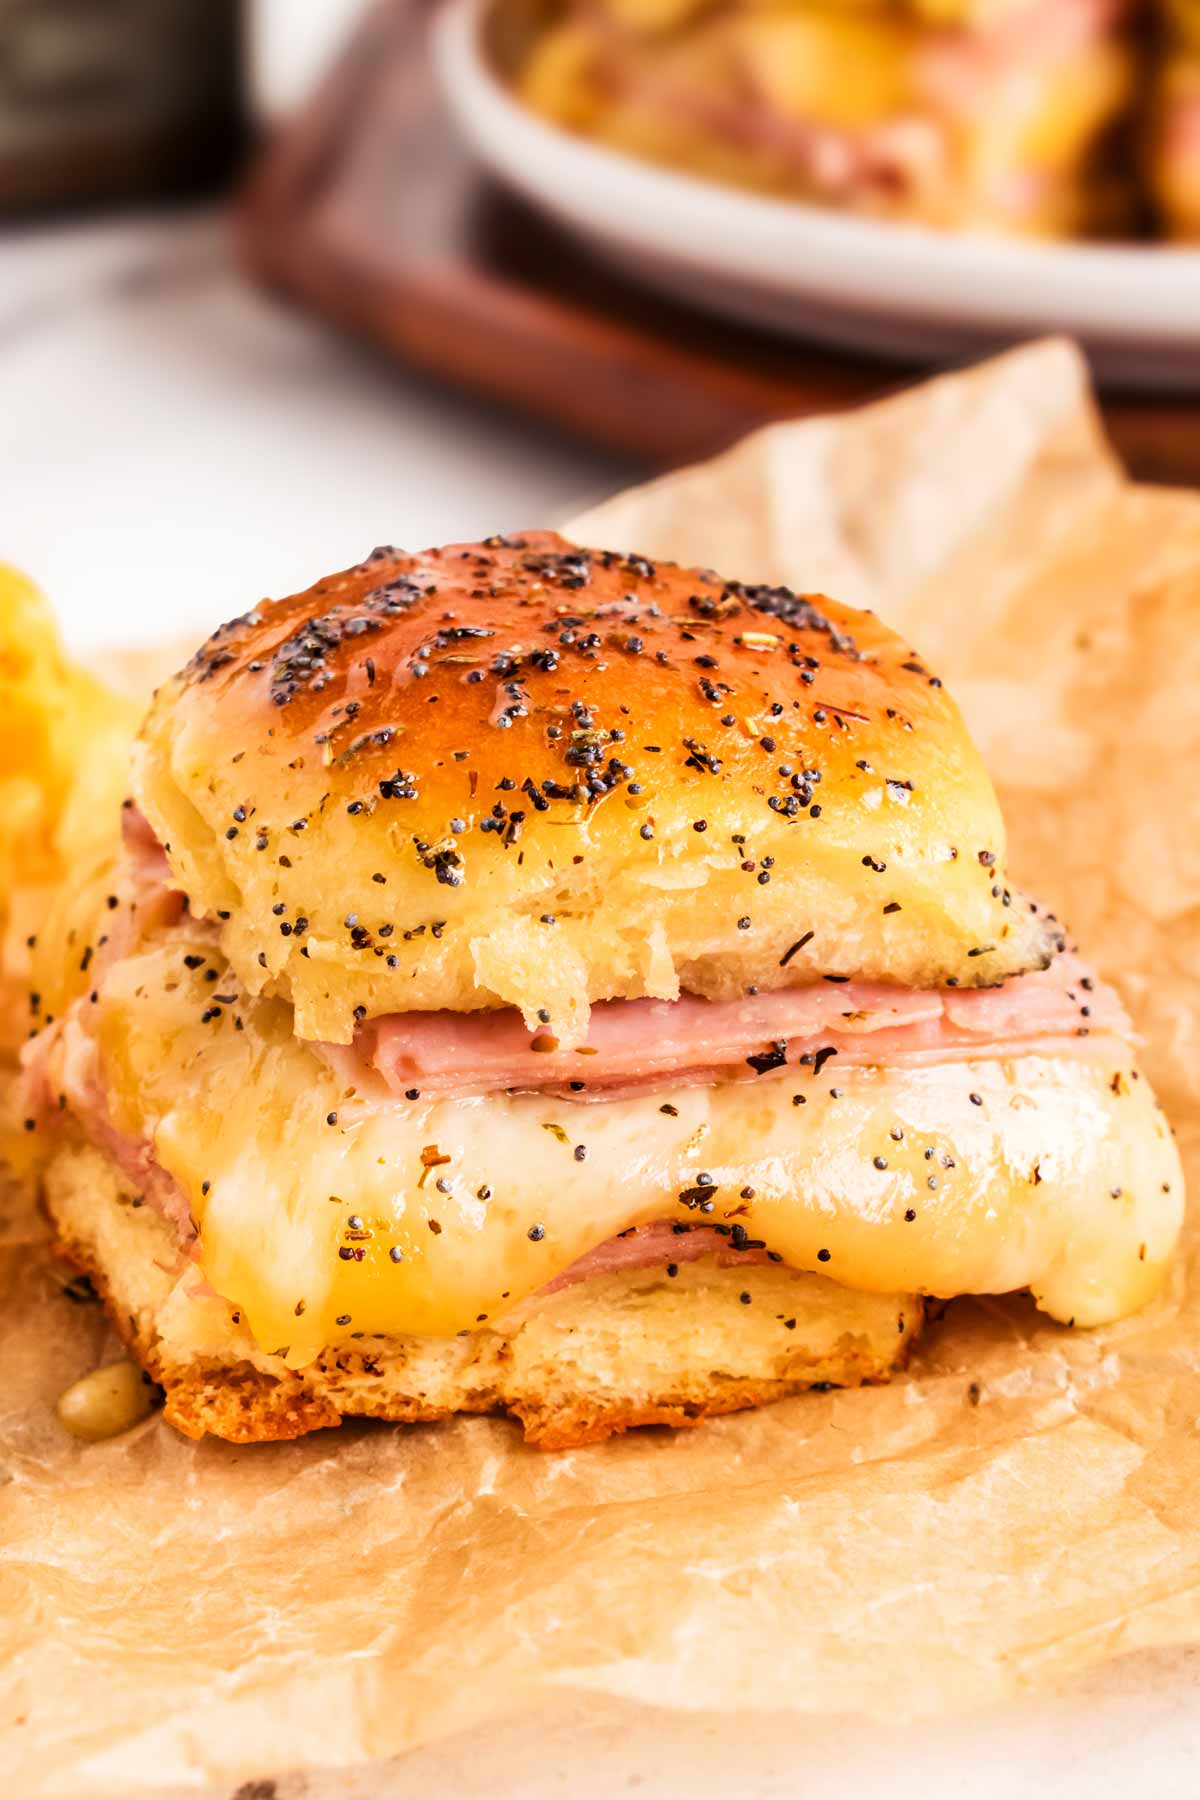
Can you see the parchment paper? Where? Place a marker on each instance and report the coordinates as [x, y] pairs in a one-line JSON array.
[[1023, 1503]]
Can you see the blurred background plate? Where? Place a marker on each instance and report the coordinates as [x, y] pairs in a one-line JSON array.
[[368, 207], [891, 290]]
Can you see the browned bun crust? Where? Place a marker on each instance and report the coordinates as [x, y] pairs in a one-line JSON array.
[[520, 773]]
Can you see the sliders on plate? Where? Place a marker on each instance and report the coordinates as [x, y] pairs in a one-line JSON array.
[[1174, 144], [990, 113], [537, 978]]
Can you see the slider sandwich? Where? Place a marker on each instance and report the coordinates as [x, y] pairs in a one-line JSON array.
[[998, 114], [1174, 129], [532, 978]]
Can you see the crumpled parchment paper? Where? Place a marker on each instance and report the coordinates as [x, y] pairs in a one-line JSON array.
[[1025, 1502]]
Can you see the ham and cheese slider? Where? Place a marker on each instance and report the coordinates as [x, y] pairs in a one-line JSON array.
[[538, 978], [993, 114], [1174, 121]]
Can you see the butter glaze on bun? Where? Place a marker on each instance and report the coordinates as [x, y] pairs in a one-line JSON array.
[[526, 774]]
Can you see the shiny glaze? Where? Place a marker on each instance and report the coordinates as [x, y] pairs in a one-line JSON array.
[[524, 773]]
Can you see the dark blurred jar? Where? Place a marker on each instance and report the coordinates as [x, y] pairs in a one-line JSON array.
[[117, 99]]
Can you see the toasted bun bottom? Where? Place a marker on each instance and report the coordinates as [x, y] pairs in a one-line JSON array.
[[634, 1348]]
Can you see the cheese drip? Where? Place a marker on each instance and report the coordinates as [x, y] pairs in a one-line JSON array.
[[325, 1212]]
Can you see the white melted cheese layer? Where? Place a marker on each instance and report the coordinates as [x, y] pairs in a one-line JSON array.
[[323, 1212]]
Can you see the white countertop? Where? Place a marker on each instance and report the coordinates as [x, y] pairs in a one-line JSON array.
[[173, 447], [1131, 1734]]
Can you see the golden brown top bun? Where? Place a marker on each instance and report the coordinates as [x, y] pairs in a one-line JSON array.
[[522, 773]]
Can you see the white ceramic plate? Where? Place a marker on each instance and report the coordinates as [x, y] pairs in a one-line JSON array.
[[898, 290]]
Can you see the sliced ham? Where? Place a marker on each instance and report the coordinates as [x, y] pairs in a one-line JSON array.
[[632, 1045], [892, 156], [63, 1062], [661, 1244], [957, 72], [1183, 128], [146, 857], [635, 1044], [664, 1245], [148, 900], [963, 69]]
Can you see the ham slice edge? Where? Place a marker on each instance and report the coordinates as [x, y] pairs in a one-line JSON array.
[[634, 1045]]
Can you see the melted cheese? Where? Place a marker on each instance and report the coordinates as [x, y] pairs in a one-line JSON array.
[[430, 1217]]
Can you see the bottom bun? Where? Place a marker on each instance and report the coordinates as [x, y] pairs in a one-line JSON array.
[[636, 1347]]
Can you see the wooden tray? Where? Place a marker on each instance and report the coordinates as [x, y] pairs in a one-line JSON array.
[[367, 208]]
